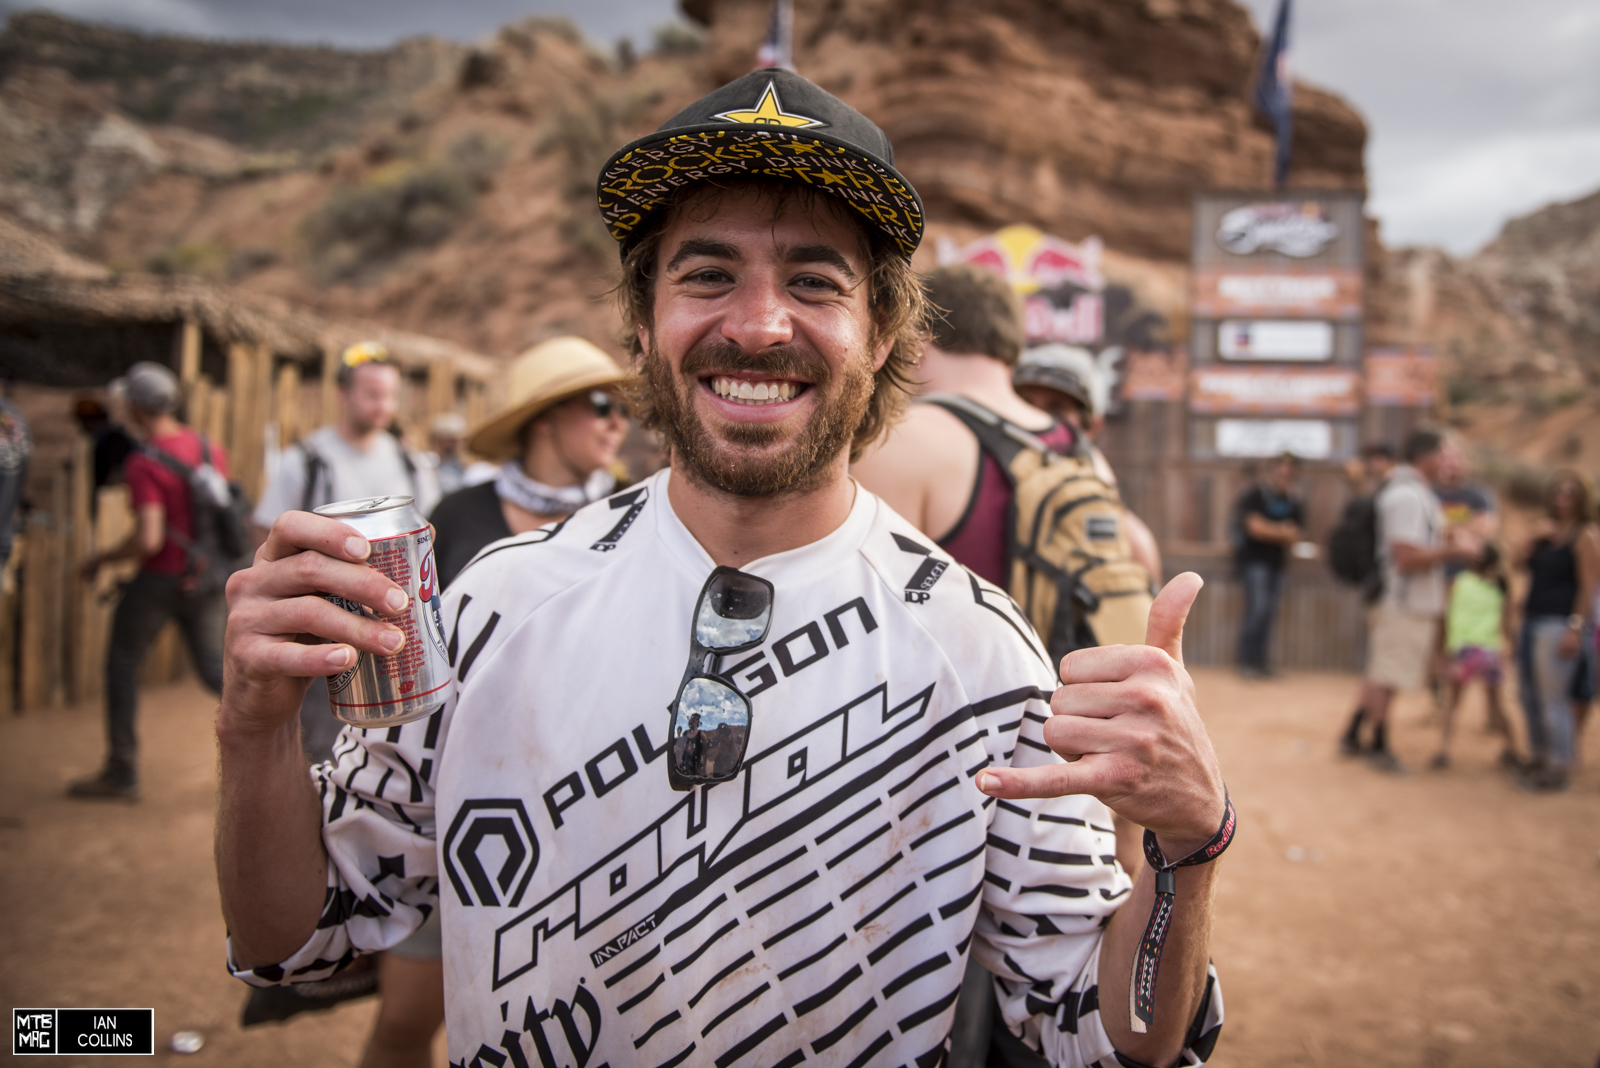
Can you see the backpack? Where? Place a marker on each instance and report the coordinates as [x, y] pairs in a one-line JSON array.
[[1071, 570], [1353, 547], [219, 513]]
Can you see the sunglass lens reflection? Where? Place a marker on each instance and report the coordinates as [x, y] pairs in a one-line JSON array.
[[604, 405], [709, 730], [735, 611]]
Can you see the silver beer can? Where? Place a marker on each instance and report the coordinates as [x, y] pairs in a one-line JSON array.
[[382, 691]]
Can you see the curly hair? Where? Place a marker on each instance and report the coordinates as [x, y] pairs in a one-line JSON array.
[[895, 298]]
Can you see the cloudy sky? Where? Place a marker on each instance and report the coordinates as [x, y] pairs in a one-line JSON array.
[[1480, 110]]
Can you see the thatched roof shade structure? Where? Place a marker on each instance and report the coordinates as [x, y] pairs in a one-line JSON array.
[[67, 322]]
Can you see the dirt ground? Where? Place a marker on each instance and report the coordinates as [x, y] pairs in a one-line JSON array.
[[1438, 919]]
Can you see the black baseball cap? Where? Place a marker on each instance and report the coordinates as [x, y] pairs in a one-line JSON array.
[[771, 124]]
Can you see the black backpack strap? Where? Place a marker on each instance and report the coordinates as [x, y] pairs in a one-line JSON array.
[[167, 460], [315, 465], [410, 465], [990, 429], [997, 435], [185, 472]]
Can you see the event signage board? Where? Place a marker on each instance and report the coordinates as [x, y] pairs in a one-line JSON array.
[[1407, 378], [1156, 376], [1329, 293], [1309, 439], [1309, 340], [1278, 390]]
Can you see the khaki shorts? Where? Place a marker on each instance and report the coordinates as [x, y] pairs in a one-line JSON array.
[[1399, 646]]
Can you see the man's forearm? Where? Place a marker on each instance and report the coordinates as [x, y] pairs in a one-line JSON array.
[[1182, 979], [271, 865]]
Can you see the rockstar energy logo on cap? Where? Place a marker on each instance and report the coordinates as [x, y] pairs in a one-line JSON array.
[[780, 127], [769, 112]]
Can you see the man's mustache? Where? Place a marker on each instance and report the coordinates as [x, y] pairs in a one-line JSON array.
[[784, 361]]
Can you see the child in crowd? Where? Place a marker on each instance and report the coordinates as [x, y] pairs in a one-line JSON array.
[[1477, 629]]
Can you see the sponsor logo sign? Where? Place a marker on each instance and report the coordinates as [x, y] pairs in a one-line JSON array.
[[1333, 391], [1333, 293], [1275, 339], [1407, 378], [1060, 282], [1157, 376], [1299, 230], [1309, 439]]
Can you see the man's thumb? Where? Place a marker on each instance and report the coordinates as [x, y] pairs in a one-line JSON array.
[[1169, 612]]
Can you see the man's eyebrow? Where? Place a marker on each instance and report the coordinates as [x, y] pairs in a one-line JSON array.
[[702, 246], [821, 254]]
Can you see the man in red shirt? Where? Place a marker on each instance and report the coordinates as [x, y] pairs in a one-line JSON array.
[[168, 585]]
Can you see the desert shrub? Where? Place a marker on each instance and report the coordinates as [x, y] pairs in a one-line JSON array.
[[678, 39], [586, 133], [400, 207], [248, 261], [477, 156]]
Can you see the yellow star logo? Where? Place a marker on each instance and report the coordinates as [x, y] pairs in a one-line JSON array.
[[769, 112]]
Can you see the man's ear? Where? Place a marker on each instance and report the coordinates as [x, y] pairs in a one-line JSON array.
[[880, 351], [642, 332]]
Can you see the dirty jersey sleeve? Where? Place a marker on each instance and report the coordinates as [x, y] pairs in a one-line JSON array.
[[378, 807], [1051, 879]]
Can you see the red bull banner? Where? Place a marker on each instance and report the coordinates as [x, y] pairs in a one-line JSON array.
[[1060, 283]]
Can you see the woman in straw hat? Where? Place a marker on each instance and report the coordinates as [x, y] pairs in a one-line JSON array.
[[558, 440]]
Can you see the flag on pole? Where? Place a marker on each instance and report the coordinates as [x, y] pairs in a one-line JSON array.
[[1274, 92], [778, 49]]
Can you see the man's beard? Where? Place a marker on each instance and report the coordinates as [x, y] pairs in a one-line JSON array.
[[741, 461]]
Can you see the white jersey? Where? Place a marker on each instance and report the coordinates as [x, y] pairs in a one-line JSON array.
[[818, 908]]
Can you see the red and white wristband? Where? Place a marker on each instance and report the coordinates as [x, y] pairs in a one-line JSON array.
[[1142, 985]]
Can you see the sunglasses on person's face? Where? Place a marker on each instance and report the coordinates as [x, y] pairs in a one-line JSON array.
[[603, 405], [710, 718]]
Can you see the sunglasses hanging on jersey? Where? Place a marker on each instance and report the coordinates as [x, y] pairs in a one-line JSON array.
[[603, 405], [710, 717]]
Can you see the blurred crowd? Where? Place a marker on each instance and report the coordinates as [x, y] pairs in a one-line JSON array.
[[1424, 542]]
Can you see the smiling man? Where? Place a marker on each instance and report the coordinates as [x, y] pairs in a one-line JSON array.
[[739, 766]]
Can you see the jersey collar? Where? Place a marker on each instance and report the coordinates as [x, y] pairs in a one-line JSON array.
[[798, 565]]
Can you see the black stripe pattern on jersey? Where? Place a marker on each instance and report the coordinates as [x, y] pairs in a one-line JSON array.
[[829, 835]]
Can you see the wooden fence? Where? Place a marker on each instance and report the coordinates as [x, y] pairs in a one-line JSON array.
[[54, 624], [1321, 624]]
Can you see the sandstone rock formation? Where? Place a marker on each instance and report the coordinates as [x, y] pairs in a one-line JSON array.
[[1078, 116], [448, 189]]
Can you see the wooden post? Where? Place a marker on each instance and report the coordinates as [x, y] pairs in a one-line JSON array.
[[260, 415], [216, 415], [287, 404], [200, 397], [42, 604], [441, 391], [188, 353], [9, 588], [250, 400], [330, 385], [241, 359], [83, 655], [477, 402]]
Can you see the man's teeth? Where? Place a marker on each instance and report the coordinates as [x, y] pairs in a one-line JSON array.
[[735, 389]]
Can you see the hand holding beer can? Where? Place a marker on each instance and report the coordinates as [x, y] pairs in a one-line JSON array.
[[383, 691]]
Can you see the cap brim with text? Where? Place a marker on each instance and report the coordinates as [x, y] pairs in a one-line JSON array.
[[770, 124]]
